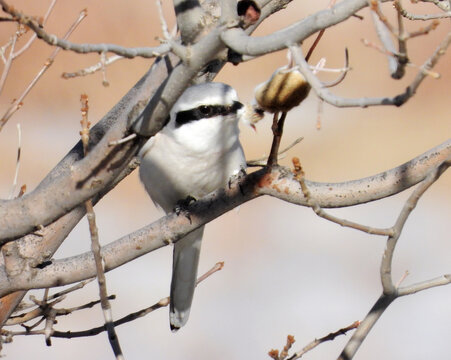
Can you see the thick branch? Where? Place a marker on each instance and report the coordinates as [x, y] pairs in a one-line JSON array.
[[279, 182], [37, 249], [76, 179], [189, 16], [243, 44]]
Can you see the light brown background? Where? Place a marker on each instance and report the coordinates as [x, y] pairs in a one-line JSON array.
[[286, 272]]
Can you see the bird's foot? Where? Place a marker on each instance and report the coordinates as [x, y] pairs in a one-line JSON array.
[[182, 205], [238, 177]]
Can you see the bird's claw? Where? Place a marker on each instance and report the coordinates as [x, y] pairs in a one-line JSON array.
[[237, 177], [182, 205]]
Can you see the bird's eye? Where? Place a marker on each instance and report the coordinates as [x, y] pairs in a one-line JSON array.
[[205, 110]]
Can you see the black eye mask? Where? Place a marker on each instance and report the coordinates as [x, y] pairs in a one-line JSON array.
[[206, 111]]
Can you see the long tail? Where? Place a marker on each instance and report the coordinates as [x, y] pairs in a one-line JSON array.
[[184, 275]]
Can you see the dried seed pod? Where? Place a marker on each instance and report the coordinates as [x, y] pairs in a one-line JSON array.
[[285, 89]]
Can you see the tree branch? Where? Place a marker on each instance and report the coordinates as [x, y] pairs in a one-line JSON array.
[[397, 100], [51, 39], [390, 292], [279, 182], [76, 179], [240, 42]]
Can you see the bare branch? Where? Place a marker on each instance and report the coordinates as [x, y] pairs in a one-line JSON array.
[[33, 37], [8, 61], [76, 179], [390, 292], [16, 172], [279, 182], [189, 15], [424, 285], [384, 31], [51, 39], [19, 101], [95, 244], [243, 44], [128, 318], [264, 159], [398, 100], [92, 69], [365, 327], [329, 337], [277, 130], [68, 186], [444, 5], [299, 175], [426, 17], [386, 266]]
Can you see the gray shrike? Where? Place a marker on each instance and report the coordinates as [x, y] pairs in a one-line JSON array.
[[194, 154]]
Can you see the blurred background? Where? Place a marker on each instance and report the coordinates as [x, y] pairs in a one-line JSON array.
[[286, 270]]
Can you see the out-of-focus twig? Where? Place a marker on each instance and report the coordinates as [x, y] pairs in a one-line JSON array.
[[397, 100], [95, 244], [8, 61], [92, 69], [51, 39], [24, 306], [263, 160], [33, 37], [97, 330], [343, 73], [16, 172], [19, 101]]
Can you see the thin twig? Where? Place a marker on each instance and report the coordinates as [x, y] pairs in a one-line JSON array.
[[385, 33], [19, 101], [319, 341], [123, 140], [263, 160], [343, 74], [95, 244], [426, 30], [425, 17], [8, 62], [287, 347], [409, 206], [105, 81], [277, 130], [23, 306], [424, 285], [16, 172], [48, 329], [319, 36], [130, 317], [397, 100], [319, 113], [51, 39], [92, 69], [164, 25], [299, 174], [42, 309], [390, 291], [33, 37]]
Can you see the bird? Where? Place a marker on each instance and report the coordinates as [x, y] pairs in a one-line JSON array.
[[197, 152]]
